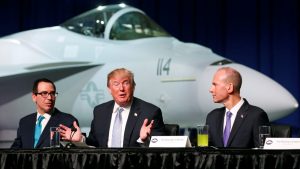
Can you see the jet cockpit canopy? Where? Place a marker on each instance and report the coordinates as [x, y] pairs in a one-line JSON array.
[[115, 22]]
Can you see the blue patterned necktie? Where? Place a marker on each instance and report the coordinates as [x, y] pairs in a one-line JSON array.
[[227, 128], [38, 130], [117, 129]]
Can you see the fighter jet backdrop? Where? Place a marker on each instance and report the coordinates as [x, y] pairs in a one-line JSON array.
[[263, 35]]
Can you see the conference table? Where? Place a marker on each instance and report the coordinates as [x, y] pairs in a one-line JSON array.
[[149, 158]]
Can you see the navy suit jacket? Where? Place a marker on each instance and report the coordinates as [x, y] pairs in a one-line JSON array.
[[139, 111], [244, 132], [25, 134]]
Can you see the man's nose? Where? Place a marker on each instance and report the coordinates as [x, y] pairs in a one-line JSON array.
[[121, 87], [210, 89]]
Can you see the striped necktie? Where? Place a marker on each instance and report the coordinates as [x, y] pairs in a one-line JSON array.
[[38, 130], [227, 128], [117, 129]]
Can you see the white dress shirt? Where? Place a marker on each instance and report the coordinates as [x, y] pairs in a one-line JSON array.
[[44, 121], [234, 111], [125, 115]]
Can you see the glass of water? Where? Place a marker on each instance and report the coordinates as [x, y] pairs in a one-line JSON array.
[[54, 137], [264, 132]]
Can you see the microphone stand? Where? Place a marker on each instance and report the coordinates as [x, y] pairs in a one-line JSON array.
[[73, 131]]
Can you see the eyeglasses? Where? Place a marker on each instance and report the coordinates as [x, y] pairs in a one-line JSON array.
[[45, 94]]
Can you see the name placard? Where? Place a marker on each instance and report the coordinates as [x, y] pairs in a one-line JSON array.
[[170, 141], [282, 143]]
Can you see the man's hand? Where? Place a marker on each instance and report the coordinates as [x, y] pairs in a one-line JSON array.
[[146, 130], [69, 135]]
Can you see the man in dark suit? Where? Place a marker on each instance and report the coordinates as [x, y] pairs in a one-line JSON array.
[[139, 119], [43, 95], [236, 124]]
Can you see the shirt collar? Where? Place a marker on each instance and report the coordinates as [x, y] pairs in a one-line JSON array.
[[46, 115], [237, 107], [127, 108]]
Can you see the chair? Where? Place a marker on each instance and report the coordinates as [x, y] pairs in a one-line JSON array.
[[281, 130], [172, 129]]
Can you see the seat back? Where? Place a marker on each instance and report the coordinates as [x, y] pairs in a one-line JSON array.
[[280, 130], [172, 129]]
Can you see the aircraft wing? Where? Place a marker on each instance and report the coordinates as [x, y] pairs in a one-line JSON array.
[[18, 81]]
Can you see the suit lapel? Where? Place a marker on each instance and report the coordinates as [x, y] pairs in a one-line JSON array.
[[220, 126], [131, 121], [105, 124], [31, 126], [239, 119]]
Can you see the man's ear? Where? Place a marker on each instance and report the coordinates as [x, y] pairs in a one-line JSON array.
[[230, 87], [109, 90], [33, 96]]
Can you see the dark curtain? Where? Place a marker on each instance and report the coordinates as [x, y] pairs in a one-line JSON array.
[[262, 34]]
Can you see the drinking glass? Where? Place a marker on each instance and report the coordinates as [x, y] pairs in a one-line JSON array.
[[202, 138], [54, 137], [264, 132]]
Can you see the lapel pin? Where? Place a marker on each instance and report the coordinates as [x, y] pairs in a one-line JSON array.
[[242, 116], [135, 114]]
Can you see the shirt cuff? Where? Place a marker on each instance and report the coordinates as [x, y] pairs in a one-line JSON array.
[[140, 140]]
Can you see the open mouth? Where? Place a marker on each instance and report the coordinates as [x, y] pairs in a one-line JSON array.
[[122, 95]]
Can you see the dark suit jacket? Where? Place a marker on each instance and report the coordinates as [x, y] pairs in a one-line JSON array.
[[25, 134], [244, 132], [139, 111]]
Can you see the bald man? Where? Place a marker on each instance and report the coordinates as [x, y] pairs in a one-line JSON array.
[[236, 124]]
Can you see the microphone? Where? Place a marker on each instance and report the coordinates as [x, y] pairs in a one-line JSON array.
[[73, 129], [70, 144]]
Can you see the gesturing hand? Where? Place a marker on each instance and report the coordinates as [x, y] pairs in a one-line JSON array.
[[68, 135], [146, 129]]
